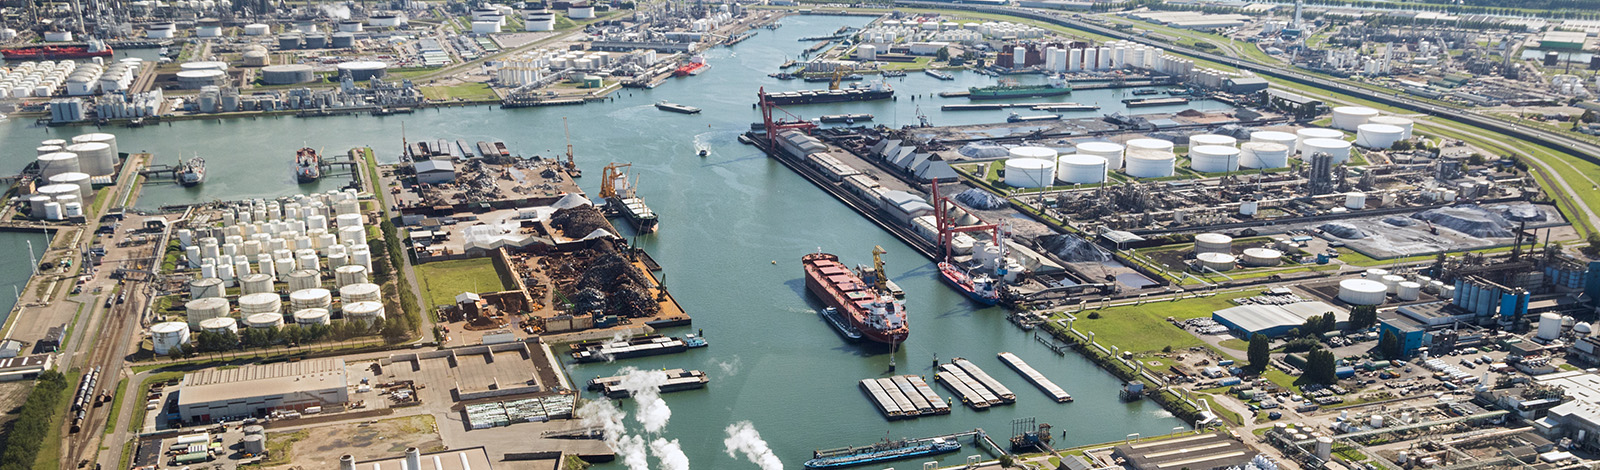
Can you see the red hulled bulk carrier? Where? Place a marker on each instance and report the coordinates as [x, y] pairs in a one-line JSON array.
[[94, 48], [696, 65], [870, 308]]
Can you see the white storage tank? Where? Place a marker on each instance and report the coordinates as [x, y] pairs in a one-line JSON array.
[[1213, 243], [255, 283], [202, 309], [1409, 291], [1276, 137], [1263, 155], [349, 274], [1213, 158], [1338, 148], [1262, 257], [1302, 135], [1392, 283], [164, 337], [1041, 153], [1216, 261], [1149, 144], [1378, 136], [1081, 169], [363, 292], [255, 444], [250, 304], [1349, 117], [1146, 163], [1362, 291], [1549, 326], [1212, 139], [47, 149], [1030, 172], [363, 311], [304, 279], [95, 158], [1112, 152], [1355, 201], [219, 325], [55, 163], [311, 316], [205, 287], [310, 298], [55, 191], [264, 320], [1405, 124], [256, 29], [81, 180]]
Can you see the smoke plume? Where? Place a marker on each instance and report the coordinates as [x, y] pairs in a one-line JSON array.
[[645, 385], [670, 454], [743, 438], [337, 11]]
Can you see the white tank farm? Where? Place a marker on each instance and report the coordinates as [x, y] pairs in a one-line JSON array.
[[219, 325], [1336, 147], [1081, 169], [1213, 243], [255, 283], [1405, 124], [1213, 158], [363, 311], [1378, 136], [1030, 172], [1148, 163], [1262, 257], [312, 316], [251, 304], [1216, 261], [1348, 117], [363, 292], [310, 298], [95, 158], [1212, 139], [264, 320], [1112, 152], [1314, 133], [55, 163], [1149, 144], [303, 279], [1409, 291], [199, 310], [1362, 291], [1263, 155], [205, 287], [164, 337], [81, 180], [349, 274]]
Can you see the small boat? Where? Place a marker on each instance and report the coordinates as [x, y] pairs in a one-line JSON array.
[[307, 165], [192, 173], [1066, 107], [939, 75], [1042, 117], [980, 288], [893, 73], [845, 118], [703, 152], [783, 76], [677, 108], [1146, 91], [693, 341], [839, 324]]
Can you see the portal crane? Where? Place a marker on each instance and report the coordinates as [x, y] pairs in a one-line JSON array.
[[570, 167]]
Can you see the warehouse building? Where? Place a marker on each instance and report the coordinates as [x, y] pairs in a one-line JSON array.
[[473, 458], [1566, 40], [1198, 452], [1274, 320], [213, 394]]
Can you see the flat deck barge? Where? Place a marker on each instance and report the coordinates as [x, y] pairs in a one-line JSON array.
[[971, 392], [1050, 388], [597, 351], [903, 396], [677, 380], [1000, 391]]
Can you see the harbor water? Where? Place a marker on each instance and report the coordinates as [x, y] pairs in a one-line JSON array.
[[734, 225]]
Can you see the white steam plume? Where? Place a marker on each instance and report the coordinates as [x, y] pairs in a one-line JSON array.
[[729, 368], [645, 385], [633, 453], [743, 438], [337, 11], [670, 454]]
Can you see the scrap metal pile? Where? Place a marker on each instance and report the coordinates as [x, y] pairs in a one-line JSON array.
[[579, 222], [601, 279]]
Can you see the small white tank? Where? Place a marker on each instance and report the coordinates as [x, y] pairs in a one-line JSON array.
[[250, 304], [219, 325], [1549, 326], [311, 316], [1355, 201], [1262, 257], [310, 298], [363, 292], [363, 311], [303, 279], [205, 287], [1392, 283], [1409, 291], [264, 320], [166, 336], [255, 283], [349, 274]]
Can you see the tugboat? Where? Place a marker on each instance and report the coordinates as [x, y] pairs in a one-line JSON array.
[[192, 173], [307, 165], [980, 288]]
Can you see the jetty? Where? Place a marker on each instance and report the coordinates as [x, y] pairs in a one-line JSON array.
[[1039, 380], [903, 396]]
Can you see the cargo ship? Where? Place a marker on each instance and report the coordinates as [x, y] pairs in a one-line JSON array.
[[1007, 89], [677, 108], [1140, 102], [192, 173], [94, 48], [881, 452], [870, 308], [845, 118], [607, 350], [620, 199], [696, 65], [1014, 117], [307, 165], [877, 90], [980, 288]]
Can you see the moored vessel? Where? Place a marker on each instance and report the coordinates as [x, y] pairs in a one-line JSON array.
[[600, 351], [980, 288], [881, 452], [307, 165], [870, 308], [939, 75], [677, 108], [92, 48], [1007, 89], [877, 90], [192, 173], [696, 65]]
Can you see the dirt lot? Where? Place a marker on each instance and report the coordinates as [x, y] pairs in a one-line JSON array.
[[12, 394], [323, 445]]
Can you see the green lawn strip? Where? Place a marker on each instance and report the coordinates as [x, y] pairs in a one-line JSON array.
[[1144, 328], [1280, 378], [1222, 411], [465, 92], [116, 405], [49, 449], [443, 280]]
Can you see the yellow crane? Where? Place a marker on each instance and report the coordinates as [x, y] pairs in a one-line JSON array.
[[881, 281], [571, 168], [612, 173], [838, 75]]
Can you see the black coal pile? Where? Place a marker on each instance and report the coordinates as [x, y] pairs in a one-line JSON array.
[[579, 222], [1343, 230], [1399, 221], [980, 199], [1072, 249], [1468, 219], [1523, 213]]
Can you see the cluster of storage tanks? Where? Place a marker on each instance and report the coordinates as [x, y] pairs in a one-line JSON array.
[[540, 19], [1376, 285], [65, 171], [291, 240], [34, 79], [1214, 252], [1108, 56], [1372, 131], [531, 66]]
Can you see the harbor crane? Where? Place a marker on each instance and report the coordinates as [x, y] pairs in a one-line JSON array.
[[571, 168]]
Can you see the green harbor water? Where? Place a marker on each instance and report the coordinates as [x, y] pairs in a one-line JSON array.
[[725, 220]]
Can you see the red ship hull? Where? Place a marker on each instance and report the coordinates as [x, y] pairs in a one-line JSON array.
[[52, 53], [692, 68], [840, 288]]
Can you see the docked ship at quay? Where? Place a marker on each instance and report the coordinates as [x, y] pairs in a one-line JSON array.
[[871, 308]]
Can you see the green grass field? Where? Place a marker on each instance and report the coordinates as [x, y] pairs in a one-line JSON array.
[[465, 91], [1144, 328], [443, 280]]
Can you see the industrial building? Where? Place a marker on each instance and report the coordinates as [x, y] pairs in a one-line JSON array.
[[25, 367], [472, 458], [1274, 320], [1579, 417], [1198, 452], [211, 394], [435, 171], [1566, 40]]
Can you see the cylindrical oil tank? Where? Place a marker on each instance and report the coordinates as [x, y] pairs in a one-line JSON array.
[[1262, 257], [1147, 163], [1111, 151], [342, 40], [205, 308], [1149, 144], [251, 304], [1348, 117], [1392, 283], [203, 65], [197, 79], [1216, 261], [307, 262], [1549, 326], [1041, 153], [1081, 169], [1355, 201], [205, 287], [1375, 273], [287, 74], [1263, 155], [255, 444], [316, 41], [1338, 148], [254, 429], [304, 279], [1405, 124], [310, 298], [109, 139], [363, 311], [349, 274], [264, 320], [311, 316], [1213, 158], [1409, 291], [55, 163], [1434, 287], [1213, 243], [81, 180], [94, 158], [255, 283], [1276, 137], [256, 29], [47, 149], [1448, 292], [1030, 172], [1212, 139], [1362, 291], [351, 235], [1378, 136], [288, 42], [164, 337], [1302, 135], [363, 292], [363, 70], [219, 325]]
